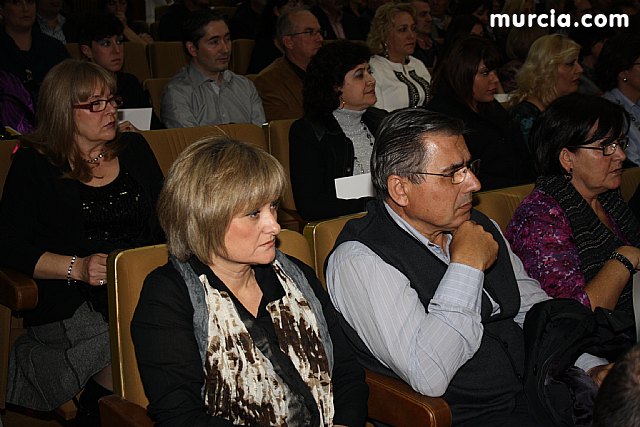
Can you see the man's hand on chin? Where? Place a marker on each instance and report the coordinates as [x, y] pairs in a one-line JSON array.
[[473, 246]]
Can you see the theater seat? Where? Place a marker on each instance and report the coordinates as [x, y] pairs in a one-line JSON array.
[[391, 401], [126, 271]]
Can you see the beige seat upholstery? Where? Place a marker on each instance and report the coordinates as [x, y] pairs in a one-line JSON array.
[[74, 50], [166, 58], [391, 401], [135, 61], [322, 235], [278, 136], [241, 50], [126, 271], [630, 182], [155, 87], [499, 205], [168, 143]]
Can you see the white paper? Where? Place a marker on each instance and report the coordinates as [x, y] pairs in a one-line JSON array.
[[139, 117], [354, 187], [502, 97]]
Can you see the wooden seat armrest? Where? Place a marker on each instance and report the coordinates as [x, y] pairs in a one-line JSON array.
[[116, 411], [17, 291], [393, 402]]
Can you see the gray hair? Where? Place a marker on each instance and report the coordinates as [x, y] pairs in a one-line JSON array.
[[285, 25], [399, 148]]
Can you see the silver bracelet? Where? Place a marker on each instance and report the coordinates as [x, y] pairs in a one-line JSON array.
[[73, 260]]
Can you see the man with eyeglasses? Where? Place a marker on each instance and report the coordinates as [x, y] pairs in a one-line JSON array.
[[205, 92], [428, 288], [280, 84]]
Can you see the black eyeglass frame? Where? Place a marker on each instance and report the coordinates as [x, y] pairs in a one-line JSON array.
[[623, 143], [93, 104], [473, 166], [309, 33]]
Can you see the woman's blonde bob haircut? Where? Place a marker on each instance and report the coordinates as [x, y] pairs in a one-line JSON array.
[[537, 77], [382, 25], [209, 183]]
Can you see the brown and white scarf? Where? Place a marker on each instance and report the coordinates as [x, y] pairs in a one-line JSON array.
[[251, 383]]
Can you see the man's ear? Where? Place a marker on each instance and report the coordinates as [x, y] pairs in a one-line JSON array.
[[191, 48], [86, 51], [287, 41], [398, 189]]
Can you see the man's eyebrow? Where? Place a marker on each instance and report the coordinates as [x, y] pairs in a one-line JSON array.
[[217, 37], [454, 167]]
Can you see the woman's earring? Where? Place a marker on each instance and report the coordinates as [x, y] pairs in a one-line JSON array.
[[342, 104], [568, 174], [624, 79], [385, 52]]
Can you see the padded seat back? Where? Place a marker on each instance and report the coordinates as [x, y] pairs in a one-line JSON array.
[[241, 50], [168, 143], [74, 50], [155, 87], [323, 235], [135, 61], [630, 182], [166, 58], [500, 204], [126, 271], [279, 148]]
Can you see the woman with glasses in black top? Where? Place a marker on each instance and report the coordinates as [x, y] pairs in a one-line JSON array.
[[77, 189]]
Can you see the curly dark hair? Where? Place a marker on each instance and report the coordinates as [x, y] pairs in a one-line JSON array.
[[326, 72], [618, 54]]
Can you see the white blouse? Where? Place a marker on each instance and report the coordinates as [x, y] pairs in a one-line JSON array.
[[400, 85]]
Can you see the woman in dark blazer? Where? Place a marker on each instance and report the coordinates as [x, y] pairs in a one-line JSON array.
[[335, 137]]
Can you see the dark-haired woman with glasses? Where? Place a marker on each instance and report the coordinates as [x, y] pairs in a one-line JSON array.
[[574, 232], [77, 189]]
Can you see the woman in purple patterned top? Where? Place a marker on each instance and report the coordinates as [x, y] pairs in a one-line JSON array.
[[574, 233]]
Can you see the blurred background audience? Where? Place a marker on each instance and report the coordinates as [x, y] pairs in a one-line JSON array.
[[552, 69], [335, 137], [464, 87], [618, 69], [401, 80]]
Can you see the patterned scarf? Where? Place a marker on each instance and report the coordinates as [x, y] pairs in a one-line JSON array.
[[594, 241], [251, 382]]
